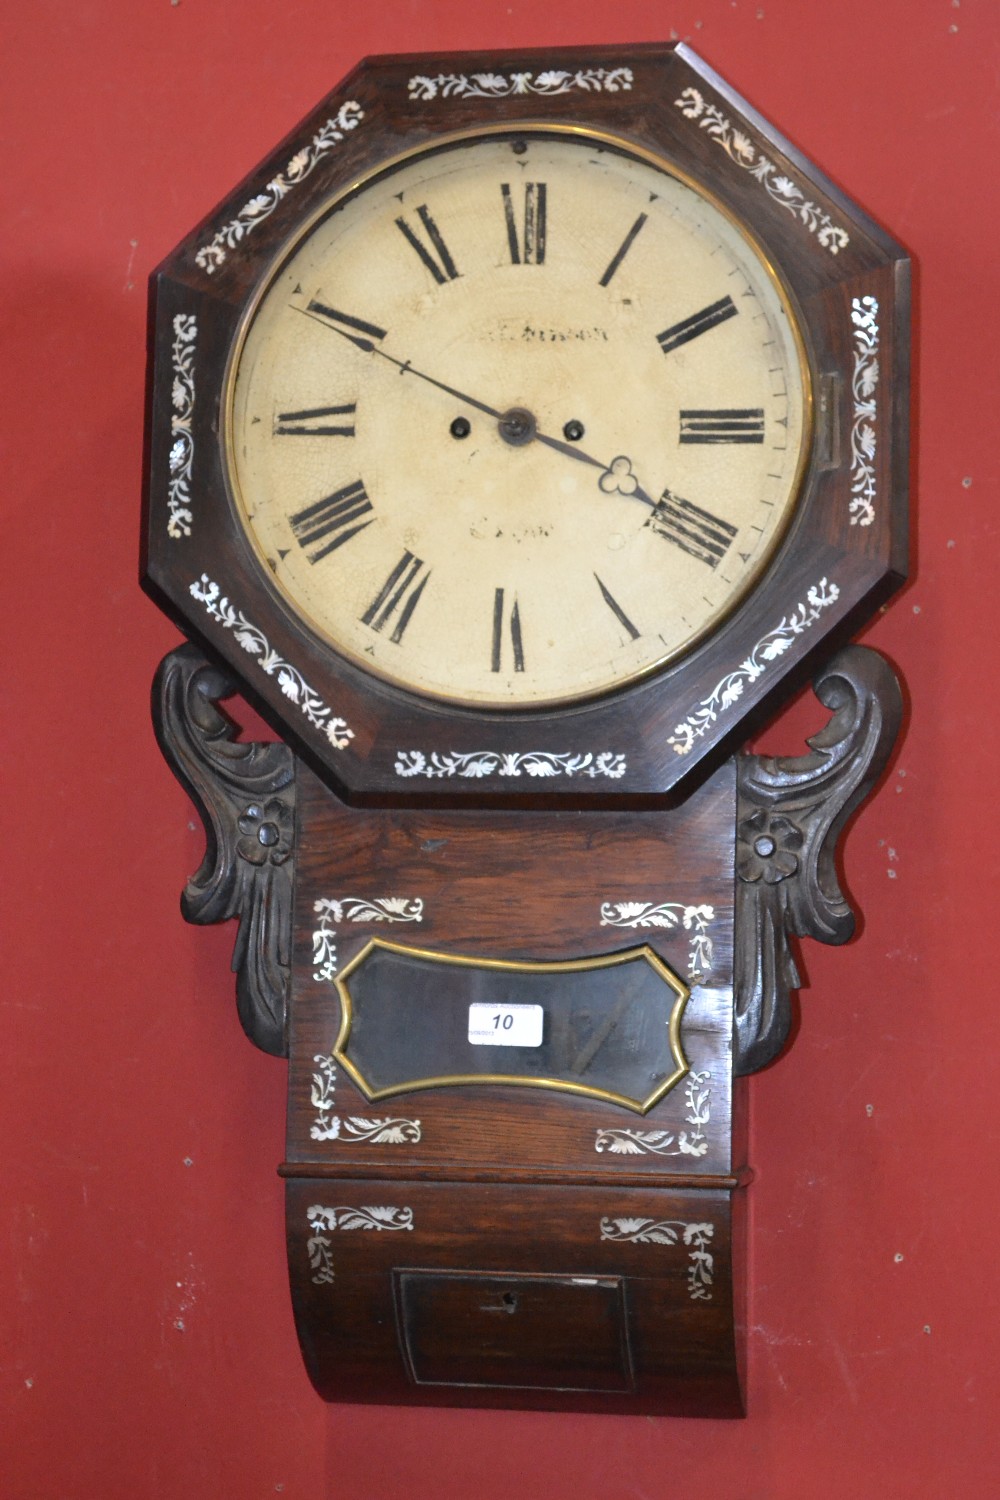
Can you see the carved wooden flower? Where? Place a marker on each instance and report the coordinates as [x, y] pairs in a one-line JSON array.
[[768, 848], [267, 832]]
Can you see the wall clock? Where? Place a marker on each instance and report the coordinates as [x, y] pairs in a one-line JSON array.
[[520, 432]]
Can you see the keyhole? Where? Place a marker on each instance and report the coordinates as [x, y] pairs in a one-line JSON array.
[[505, 1303]]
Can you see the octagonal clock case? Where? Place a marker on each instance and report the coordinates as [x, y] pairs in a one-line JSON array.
[[519, 432]]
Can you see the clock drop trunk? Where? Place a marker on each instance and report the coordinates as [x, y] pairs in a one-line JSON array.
[[516, 1131], [524, 1244]]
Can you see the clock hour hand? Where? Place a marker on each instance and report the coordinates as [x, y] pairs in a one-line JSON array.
[[616, 478], [620, 480], [516, 426]]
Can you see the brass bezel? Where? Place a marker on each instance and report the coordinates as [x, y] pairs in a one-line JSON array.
[[443, 142], [606, 961]]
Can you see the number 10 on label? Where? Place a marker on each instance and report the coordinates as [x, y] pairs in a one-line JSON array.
[[505, 1025]]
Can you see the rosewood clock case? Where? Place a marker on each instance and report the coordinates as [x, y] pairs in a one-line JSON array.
[[565, 1227]]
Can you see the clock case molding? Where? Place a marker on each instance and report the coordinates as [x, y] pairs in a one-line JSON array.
[[844, 553], [497, 1245]]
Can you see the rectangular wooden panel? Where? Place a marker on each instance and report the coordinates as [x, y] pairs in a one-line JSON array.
[[546, 1332]]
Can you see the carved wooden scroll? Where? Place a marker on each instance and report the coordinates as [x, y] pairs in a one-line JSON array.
[[246, 796], [790, 814]]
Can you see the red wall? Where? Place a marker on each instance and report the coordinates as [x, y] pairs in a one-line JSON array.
[[146, 1343]]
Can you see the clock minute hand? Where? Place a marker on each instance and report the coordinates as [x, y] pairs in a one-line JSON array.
[[333, 320], [405, 368], [517, 426]]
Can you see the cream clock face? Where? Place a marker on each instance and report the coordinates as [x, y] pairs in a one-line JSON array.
[[519, 420]]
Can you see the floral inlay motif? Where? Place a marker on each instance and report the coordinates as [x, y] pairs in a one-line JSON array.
[[290, 679], [695, 920], [777, 641], [664, 1232], [740, 149], [768, 848], [536, 763], [323, 1221], [327, 1126], [182, 352], [212, 255], [387, 1131], [503, 85], [864, 314], [697, 1096], [322, 1097], [267, 832], [355, 909]]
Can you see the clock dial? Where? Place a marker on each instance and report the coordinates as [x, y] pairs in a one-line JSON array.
[[519, 420]]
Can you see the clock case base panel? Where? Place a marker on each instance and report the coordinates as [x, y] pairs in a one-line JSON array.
[[508, 1298], [605, 1244]]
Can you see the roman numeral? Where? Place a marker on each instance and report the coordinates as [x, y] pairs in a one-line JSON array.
[[733, 424], [697, 324], [694, 530], [315, 422], [514, 628], [623, 250], [344, 323], [398, 597], [333, 517], [527, 249], [435, 256], [617, 610]]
